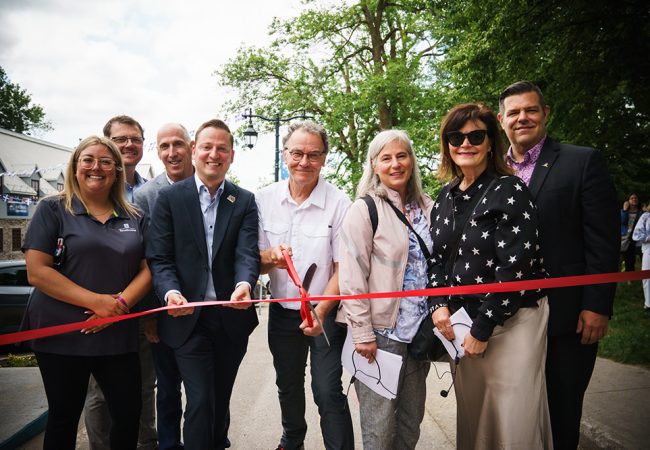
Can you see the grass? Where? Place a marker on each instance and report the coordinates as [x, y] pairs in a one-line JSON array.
[[18, 361], [628, 339]]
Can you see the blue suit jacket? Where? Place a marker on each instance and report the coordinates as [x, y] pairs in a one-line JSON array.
[[178, 256], [578, 228]]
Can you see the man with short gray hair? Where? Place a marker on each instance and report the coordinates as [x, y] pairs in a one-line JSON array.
[[303, 216]]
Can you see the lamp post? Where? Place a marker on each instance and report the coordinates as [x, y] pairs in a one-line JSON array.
[[250, 135]]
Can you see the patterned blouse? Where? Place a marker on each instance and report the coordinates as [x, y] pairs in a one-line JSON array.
[[412, 309], [498, 244]]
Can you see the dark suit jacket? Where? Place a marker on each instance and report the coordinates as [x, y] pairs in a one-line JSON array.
[[178, 257], [578, 228]]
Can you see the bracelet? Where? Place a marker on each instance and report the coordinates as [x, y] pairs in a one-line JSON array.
[[120, 299]]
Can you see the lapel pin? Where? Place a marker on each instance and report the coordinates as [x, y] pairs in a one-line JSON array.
[[545, 164], [231, 198]]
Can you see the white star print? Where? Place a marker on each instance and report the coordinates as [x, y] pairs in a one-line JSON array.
[[437, 231], [472, 222], [489, 263], [488, 313], [497, 188], [501, 244], [479, 280], [463, 237], [466, 197], [516, 229], [484, 200], [458, 278], [504, 216], [506, 302], [475, 251], [485, 234], [526, 215], [511, 200], [434, 283], [522, 292], [527, 245], [512, 259], [466, 266], [460, 251], [519, 275], [518, 186], [446, 221]]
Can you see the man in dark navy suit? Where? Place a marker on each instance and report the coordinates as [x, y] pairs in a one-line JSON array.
[[202, 245], [578, 235]]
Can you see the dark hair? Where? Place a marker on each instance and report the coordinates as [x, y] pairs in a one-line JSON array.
[[308, 127], [126, 120], [520, 87], [219, 125], [454, 120]]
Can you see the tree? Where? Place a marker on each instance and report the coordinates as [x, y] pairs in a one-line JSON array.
[[584, 54], [358, 68], [17, 113]]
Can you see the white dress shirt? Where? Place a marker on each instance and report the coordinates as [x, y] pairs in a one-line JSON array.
[[311, 229]]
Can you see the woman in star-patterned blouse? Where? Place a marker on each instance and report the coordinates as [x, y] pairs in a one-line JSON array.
[[500, 387]]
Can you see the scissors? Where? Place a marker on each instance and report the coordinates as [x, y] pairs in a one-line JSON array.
[[303, 287]]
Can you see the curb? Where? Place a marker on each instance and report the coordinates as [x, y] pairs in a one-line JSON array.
[[29, 431], [592, 437]]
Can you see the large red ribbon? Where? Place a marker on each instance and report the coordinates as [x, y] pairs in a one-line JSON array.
[[511, 286]]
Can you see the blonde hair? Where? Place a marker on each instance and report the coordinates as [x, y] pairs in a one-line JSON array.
[[71, 185], [370, 183]]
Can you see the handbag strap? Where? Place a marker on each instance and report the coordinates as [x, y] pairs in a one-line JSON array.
[[400, 215]]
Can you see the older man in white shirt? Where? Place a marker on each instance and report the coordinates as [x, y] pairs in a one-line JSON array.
[[303, 216]]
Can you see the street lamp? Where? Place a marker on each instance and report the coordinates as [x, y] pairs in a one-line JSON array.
[[250, 135]]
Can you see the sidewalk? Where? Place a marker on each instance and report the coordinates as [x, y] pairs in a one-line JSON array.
[[616, 409]]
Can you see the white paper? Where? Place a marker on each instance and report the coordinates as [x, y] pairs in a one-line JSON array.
[[381, 376], [461, 323]]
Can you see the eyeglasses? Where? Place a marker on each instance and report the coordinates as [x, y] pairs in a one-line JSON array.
[[476, 137], [124, 139], [312, 157], [88, 162]]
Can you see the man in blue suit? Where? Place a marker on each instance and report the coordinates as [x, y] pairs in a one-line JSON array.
[[202, 245]]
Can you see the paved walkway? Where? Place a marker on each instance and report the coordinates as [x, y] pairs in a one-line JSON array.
[[616, 410]]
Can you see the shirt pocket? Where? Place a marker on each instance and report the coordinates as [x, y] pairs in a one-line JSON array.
[[276, 232], [315, 230]]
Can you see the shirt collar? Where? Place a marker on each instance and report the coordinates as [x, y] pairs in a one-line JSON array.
[[200, 184], [530, 157], [316, 197], [79, 209]]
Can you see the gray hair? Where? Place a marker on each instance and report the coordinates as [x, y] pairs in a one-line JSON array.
[[309, 127], [370, 184]]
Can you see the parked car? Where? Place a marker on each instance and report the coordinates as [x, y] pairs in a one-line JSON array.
[[14, 294]]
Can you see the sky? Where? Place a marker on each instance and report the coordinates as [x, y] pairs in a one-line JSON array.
[[85, 62]]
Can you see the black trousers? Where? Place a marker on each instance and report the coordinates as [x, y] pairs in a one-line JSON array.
[[65, 378], [289, 347], [569, 365], [208, 362]]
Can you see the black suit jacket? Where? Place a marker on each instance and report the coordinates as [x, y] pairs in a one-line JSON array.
[[178, 256], [578, 228]]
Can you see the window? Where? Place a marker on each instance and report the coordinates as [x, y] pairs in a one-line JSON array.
[[14, 276], [16, 239], [59, 187], [35, 185]]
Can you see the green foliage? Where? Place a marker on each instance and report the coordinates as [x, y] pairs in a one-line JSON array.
[[585, 56], [357, 68], [17, 113], [629, 329], [19, 361]]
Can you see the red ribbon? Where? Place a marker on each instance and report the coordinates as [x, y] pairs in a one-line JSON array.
[[512, 286], [305, 313]]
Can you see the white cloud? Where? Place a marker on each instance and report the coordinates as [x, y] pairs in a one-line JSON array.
[[87, 61]]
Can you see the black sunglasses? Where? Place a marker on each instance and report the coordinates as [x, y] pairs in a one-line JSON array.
[[476, 137]]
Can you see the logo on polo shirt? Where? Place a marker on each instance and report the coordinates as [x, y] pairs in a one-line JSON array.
[[127, 227]]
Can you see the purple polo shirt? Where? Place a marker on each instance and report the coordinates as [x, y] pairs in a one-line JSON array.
[[524, 169]]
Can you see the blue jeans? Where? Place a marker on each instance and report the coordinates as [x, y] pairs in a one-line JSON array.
[[289, 347]]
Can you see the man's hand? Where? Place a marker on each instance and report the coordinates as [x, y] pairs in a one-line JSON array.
[[240, 295], [316, 329], [592, 325], [174, 299], [150, 325], [277, 258], [368, 350]]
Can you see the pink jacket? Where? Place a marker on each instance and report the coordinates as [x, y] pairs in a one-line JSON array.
[[373, 265]]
